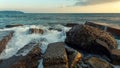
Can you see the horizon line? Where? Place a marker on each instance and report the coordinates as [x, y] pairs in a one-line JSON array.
[[65, 12]]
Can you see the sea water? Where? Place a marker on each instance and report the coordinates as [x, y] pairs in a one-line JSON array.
[[22, 37], [42, 18]]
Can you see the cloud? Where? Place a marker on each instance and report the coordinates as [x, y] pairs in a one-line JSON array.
[[92, 2]]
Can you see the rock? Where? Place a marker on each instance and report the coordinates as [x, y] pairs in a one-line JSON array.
[[83, 36], [95, 62], [27, 48], [73, 57], [57, 66], [71, 24], [113, 29], [91, 40], [97, 25], [13, 25], [5, 36], [116, 57], [28, 61], [36, 31], [99, 47], [55, 56]]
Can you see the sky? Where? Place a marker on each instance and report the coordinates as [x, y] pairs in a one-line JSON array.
[[62, 6]]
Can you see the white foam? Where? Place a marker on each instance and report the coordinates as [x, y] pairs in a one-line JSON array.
[[116, 66], [118, 41], [40, 64]]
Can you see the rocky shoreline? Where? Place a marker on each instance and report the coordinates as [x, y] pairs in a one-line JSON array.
[[89, 45]]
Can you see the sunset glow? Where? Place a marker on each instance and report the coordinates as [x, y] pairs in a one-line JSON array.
[[62, 6]]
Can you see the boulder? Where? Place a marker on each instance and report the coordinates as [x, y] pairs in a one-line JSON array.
[[5, 36], [30, 60], [73, 57], [36, 31], [55, 56], [115, 57], [95, 62], [84, 36], [13, 25], [90, 39], [111, 28]]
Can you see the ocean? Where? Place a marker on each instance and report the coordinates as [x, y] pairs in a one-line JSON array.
[[42, 18], [22, 37]]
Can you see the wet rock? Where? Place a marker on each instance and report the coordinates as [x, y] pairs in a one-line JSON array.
[[113, 29], [36, 31], [30, 60], [13, 25], [57, 66], [5, 36], [27, 48], [91, 40], [95, 62], [73, 57], [97, 25], [116, 57], [84, 36], [55, 56], [100, 47], [71, 24]]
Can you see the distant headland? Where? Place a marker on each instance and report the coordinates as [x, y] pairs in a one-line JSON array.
[[12, 12]]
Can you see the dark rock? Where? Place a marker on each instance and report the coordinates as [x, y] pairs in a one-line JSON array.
[[28, 61], [27, 48], [71, 24], [5, 36], [113, 29], [55, 56], [83, 36], [91, 40], [116, 57], [36, 31], [13, 25], [97, 25], [100, 47], [73, 57], [57, 66], [95, 62]]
